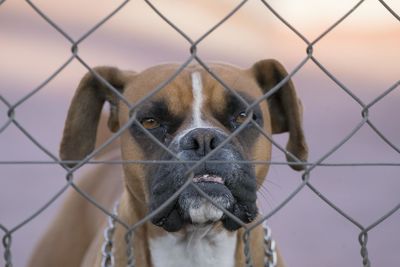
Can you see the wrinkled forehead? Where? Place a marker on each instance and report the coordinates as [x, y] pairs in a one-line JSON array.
[[180, 92]]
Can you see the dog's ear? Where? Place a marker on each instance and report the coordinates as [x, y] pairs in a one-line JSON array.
[[80, 128], [285, 108]]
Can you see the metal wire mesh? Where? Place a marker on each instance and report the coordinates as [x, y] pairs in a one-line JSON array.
[[8, 232]]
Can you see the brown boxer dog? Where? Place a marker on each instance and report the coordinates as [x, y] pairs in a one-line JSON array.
[[191, 116]]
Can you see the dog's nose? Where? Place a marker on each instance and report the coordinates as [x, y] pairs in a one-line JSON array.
[[201, 140]]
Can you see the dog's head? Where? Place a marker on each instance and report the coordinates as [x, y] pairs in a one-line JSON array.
[[193, 116]]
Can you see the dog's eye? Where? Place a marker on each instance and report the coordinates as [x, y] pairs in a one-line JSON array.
[[241, 118], [150, 123]]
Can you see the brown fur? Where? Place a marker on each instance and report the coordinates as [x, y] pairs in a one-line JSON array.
[[76, 235]]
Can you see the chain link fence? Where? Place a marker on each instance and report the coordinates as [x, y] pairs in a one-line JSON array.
[[306, 181]]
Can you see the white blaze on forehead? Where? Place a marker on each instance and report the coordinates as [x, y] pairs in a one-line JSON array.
[[198, 99], [197, 88]]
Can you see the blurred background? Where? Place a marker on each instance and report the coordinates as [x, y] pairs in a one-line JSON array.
[[362, 52]]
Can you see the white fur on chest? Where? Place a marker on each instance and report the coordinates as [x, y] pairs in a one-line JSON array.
[[202, 247]]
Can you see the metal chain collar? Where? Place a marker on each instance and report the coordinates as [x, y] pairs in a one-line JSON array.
[[107, 247], [270, 254]]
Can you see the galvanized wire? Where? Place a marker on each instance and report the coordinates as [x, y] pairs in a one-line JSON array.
[[304, 182]]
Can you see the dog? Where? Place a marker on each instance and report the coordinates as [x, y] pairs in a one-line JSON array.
[[192, 116]]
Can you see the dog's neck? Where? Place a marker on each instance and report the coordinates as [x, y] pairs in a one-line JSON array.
[[196, 246], [191, 246]]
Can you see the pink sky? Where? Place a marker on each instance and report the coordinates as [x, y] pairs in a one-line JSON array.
[[253, 33]]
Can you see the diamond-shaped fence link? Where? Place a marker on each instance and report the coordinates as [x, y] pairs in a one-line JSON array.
[[7, 232]]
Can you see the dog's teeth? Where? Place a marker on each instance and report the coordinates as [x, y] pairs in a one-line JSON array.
[[208, 178]]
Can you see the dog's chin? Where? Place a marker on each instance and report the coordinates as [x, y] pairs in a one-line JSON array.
[[197, 210]]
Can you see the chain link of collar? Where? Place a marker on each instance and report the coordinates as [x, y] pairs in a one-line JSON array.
[[107, 247], [270, 254]]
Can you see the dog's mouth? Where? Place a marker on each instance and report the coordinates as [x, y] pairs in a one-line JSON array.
[[219, 193], [193, 208]]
